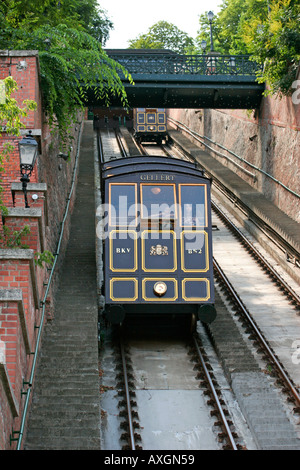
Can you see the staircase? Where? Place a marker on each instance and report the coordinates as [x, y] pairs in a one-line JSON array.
[[65, 410]]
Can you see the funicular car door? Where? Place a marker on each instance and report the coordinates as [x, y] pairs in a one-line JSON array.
[[195, 242], [159, 252], [121, 243]]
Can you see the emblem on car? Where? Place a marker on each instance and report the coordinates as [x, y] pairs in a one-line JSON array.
[[159, 250]]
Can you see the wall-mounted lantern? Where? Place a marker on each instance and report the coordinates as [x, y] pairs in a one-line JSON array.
[[28, 150]]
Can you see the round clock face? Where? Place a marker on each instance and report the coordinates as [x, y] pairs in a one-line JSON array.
[[160, 288]]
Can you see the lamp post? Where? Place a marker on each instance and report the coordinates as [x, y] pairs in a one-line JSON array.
[[210, 16], [28, 148]]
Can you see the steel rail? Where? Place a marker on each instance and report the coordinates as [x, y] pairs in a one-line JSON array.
[[258, 334], [215, 396], [120, 144], [127, 395]]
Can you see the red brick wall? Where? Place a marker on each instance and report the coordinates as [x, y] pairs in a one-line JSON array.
[[11, 335], [28, 88], [16, 274], [26, 78]]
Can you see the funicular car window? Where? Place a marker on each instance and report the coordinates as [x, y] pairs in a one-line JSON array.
[[150, 118], [122, 204], [158, 205], [141, 118], [193, 205], [161, 118]]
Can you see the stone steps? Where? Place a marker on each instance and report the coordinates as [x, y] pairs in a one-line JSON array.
[[263, 409], [65, 410]]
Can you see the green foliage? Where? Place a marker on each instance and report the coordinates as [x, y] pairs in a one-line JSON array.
[[44, 257], [228, 24], [163, 35], [13, 239], [11, 113], [276, 43], [72, 64], [84, 15], [68, 35]]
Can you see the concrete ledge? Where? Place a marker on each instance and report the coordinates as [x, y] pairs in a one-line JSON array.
[[32, 187], [9, 53]]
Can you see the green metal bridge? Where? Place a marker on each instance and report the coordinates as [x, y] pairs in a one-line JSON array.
[[169, 80]]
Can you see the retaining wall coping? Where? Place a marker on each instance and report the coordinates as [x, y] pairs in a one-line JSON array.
[[9, 53], [38, 187], [16, 253], [23, 212], [30, 187]]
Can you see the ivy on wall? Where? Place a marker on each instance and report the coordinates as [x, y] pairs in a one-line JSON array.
[[11, 114]]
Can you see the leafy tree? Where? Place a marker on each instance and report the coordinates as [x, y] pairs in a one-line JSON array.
[[163, 35], [72, 61], [268, 30], [84, 15], [228, 23], [276, 43]]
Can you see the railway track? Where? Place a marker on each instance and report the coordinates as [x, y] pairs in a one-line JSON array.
[[283, 287], [144, 380], [261, 357], [259, 339]]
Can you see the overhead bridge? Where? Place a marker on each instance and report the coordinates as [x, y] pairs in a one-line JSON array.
[[168, 80]]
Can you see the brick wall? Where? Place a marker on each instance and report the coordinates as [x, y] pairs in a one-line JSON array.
[[22, 282], [23, 66]]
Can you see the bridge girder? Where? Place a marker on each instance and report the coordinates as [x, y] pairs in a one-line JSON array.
[[163, 79]]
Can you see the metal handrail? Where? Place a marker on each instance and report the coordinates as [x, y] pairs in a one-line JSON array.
[[175, 64], [40, 327], [197, 137]]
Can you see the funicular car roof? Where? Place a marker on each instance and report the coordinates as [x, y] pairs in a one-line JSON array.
[[146, 159], [130, 165]]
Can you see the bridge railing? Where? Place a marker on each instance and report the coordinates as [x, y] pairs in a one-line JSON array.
[[173, 64]]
